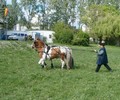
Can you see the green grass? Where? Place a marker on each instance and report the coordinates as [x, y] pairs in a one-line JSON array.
[[21, 78]]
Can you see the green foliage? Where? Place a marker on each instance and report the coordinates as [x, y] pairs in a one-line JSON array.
[[49, 12], [13, 15], [107, 27], [21, 78], [2, 7], [64, 10], [101, 21], [81, 38], [2, 17], [63, 33]]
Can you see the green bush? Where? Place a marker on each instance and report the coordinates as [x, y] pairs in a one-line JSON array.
[[81, 38], [63, 33]]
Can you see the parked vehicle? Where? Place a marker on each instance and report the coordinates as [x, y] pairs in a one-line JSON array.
[[17, 36]]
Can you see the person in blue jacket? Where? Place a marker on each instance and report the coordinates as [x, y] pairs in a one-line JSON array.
[[102, 57]]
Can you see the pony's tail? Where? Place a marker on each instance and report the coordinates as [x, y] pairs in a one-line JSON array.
[[69, 59]]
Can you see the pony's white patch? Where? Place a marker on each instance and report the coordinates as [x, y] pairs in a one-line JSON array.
[[63, 64]]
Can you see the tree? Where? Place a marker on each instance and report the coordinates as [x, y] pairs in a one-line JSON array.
[[91, 7], [33, 8], [105, 26], [29, 11], [63, 10], [14, 12], [99, 19]]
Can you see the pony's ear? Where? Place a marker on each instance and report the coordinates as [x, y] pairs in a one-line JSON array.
[[37, 38]]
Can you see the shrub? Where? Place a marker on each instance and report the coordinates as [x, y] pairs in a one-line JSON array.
[[63, 33], [81, 38]]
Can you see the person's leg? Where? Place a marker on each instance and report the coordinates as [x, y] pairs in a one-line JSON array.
[[108, 67], [98, 68]]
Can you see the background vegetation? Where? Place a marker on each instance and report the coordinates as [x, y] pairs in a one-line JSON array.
[[63, 33], [66, 34], [100, 17], [21, 78], [81, 38]]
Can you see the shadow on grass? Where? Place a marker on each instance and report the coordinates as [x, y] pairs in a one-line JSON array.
[[48, 67]]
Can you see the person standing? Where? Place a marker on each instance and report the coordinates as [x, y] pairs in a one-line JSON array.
[[102, 57]]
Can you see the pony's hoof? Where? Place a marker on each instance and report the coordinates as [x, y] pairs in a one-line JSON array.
[[39, 63], [62, 68], [42, 66], [68, 68]]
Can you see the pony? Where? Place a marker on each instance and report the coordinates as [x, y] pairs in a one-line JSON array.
[[51, 52]]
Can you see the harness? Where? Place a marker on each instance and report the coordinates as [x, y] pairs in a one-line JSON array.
[[48, 48]]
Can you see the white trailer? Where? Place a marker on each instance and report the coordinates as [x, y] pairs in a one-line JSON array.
[[48, 35], [35, 34]]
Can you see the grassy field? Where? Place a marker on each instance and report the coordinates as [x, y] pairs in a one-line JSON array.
[[21, 78]]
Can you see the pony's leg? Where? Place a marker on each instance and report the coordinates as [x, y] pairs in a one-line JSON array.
[[52, 64], [66, 63], [63, 64], [69, 60], [42, 62], [43, 65], [68, 67]]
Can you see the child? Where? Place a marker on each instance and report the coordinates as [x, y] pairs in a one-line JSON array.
[[102, 57]]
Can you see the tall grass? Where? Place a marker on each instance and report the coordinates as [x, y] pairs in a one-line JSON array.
[[21, 78]]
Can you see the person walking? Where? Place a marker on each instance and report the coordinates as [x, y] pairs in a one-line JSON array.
[[102, 57]]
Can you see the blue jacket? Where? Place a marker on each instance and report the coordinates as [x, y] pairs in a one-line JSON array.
[[102, 56]]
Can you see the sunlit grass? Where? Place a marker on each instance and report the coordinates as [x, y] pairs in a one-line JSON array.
[[21, 78]]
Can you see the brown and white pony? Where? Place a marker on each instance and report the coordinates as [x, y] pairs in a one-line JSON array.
[[51, 52]]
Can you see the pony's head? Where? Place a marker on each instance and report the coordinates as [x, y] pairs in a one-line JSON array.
[[38, 43]]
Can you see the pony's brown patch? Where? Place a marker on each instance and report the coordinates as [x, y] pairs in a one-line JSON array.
[[38, 43], [39, 46], [55, 53], [40, 52], [62, 56]]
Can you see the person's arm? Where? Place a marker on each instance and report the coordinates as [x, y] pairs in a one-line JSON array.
[[95, 51], [100, 52]]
